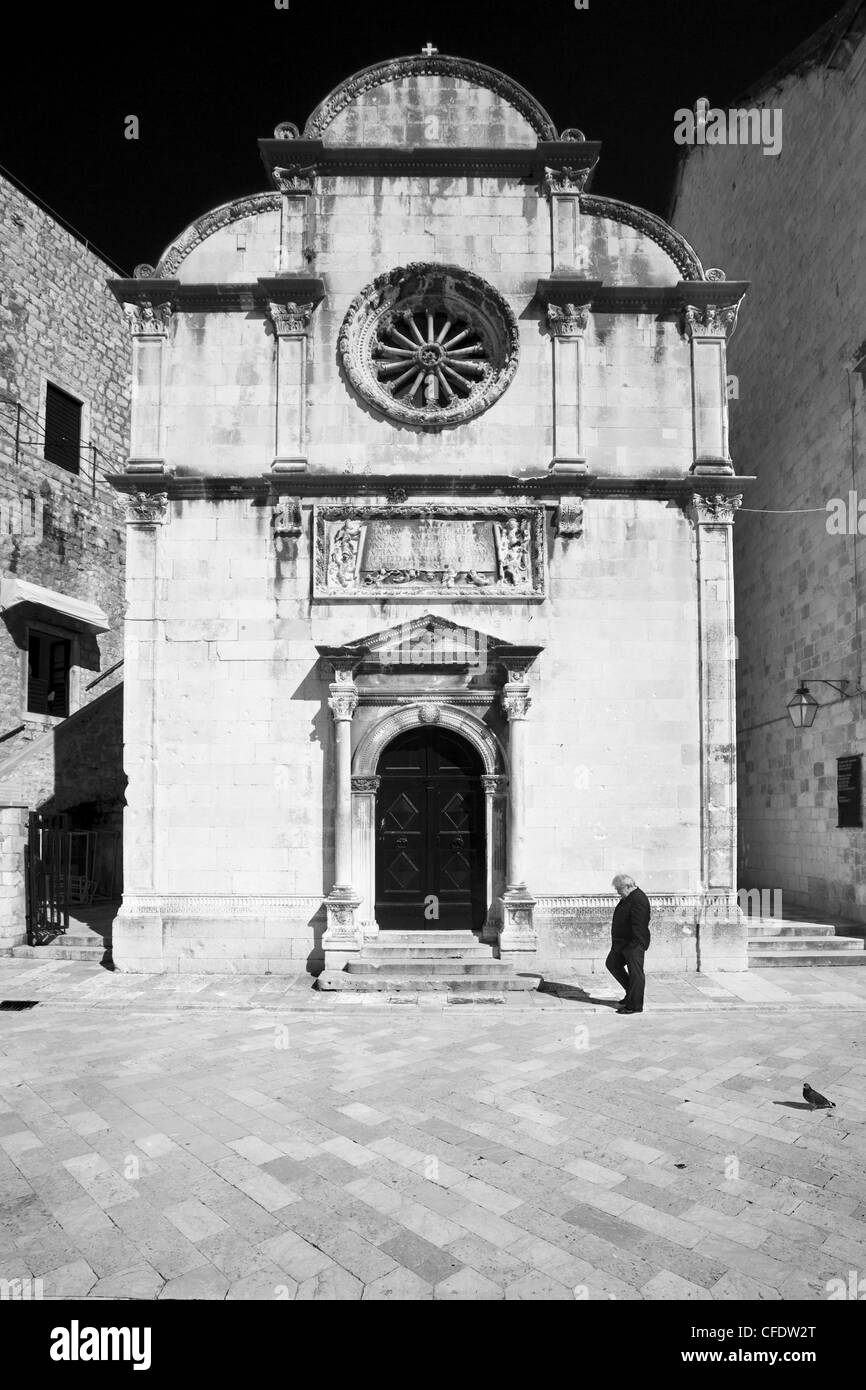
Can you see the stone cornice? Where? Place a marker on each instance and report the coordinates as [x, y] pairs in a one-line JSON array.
[[219, 297], [486, 487], [312, 157], [561, 289]]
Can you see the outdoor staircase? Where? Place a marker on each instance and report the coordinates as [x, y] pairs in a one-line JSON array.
[[88, 939], [416, 962], [783, 942]]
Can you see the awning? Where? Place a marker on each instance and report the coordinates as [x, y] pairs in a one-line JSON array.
[[14, 591]]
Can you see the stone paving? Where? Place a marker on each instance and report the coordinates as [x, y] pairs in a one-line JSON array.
[[201, 1138]]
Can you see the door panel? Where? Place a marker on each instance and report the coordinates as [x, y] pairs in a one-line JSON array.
[[429, 834]]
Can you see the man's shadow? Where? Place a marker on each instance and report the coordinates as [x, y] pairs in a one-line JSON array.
[[574, 992]]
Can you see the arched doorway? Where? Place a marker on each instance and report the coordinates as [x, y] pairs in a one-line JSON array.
[[430, 833]]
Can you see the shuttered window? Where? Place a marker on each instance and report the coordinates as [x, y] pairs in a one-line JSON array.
[[62, 428], [48, 662]]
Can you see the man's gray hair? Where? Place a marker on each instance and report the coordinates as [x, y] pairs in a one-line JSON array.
[[624, 880]]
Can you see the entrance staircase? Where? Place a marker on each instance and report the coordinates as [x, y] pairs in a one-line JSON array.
[[414, 962], [783, 942]]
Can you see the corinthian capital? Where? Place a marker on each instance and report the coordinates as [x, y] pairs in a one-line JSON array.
[[565, 180], [146, 508], [515, 702], [290, 318], [567, 320], [715, 508], [295, 179], [343, 701], [147, 318], [710, 320]]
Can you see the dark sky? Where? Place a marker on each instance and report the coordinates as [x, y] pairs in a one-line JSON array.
[[207, 79]]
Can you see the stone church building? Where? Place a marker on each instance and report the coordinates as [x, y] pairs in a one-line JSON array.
[[429, 577]]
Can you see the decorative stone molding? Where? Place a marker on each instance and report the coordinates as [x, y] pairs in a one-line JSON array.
[[143, 271], [713, 273], [460, 721], [517, 933], [569, 517], [205, 226], [715, 509], [148, 319], [710, 320], [429, 345], [571, 133], [365, 784], [286, 130], [296, 178], [429, 713], [649, 225], [290, 319], [221, 905], [565, 180], [146, 508], [429, 551], [567, 320], [286, 519], [397, 494], [435, 65]]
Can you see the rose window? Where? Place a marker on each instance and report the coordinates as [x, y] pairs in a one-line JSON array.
[[429, 345], [429, 358]]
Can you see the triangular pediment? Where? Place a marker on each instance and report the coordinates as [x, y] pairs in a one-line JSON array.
[[428, 640]]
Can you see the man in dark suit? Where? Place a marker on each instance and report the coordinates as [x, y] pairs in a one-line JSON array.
[[630, 938]]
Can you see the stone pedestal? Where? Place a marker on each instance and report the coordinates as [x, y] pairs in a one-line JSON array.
[[13, 892]]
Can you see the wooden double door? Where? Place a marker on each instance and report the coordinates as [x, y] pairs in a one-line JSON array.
[[430, 851]]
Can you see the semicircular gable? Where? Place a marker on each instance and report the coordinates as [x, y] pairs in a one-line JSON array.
[[354, 90], [659, 231], [203, 227]]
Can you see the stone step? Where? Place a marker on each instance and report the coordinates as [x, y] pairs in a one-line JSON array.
[[414, 966], [780, 927], [58, 951], [424, 984], [435, 937], [401, 951], [779, 961], [793, 945]]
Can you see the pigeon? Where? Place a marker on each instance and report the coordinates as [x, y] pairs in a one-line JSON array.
[[815, 1099]]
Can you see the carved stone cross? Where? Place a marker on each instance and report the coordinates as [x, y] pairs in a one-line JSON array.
[[429, 50]]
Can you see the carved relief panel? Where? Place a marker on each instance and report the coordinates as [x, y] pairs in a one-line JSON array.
[[445, 552]]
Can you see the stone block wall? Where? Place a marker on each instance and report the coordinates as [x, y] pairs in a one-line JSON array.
[[798, 421], [58, 323]]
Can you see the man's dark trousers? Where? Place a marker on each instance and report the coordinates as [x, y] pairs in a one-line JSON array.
[[630, 939]]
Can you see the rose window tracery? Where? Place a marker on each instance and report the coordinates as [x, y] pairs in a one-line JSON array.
[[429, 356], [429, 345]]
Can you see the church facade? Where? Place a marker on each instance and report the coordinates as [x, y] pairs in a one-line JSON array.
[[429, 579]]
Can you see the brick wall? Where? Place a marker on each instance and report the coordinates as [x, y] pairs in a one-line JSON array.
[[793, 225]]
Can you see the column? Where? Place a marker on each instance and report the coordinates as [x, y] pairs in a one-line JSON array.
[[342, 937], [567, 324], [149, 322], [137, 935], [517, 935], [494, 788], [291, 322], [721, 935], [708, 328], [563, 188], [364, 791]]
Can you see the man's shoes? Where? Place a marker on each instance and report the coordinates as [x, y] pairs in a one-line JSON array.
[[623, 1010]]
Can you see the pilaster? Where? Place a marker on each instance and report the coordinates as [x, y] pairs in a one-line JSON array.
[[708, 327], [291, 321]]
